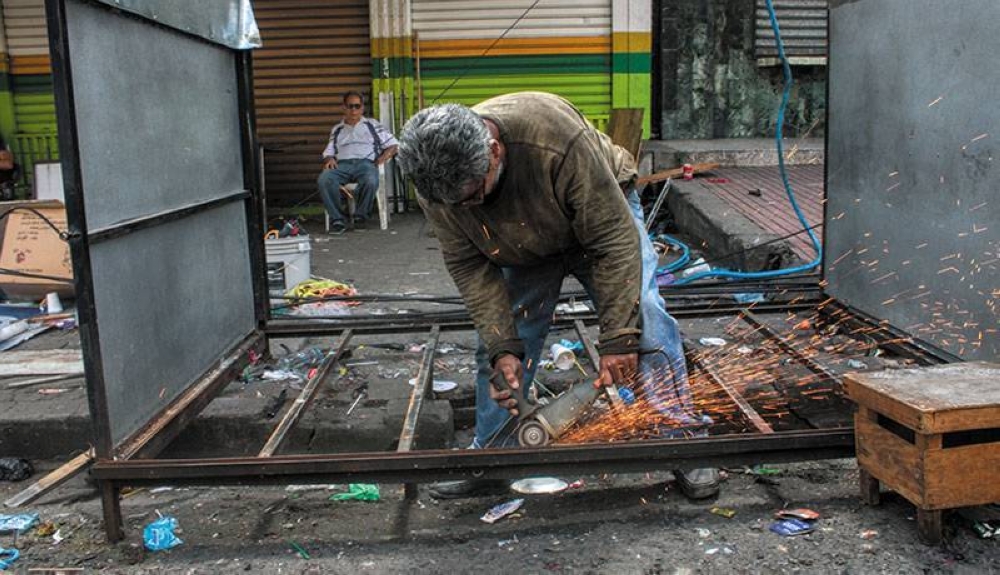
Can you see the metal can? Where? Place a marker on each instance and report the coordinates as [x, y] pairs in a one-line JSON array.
[[687, 171]]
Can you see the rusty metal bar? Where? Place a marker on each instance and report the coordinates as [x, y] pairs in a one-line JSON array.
[[737, 397], [305, 398], [595, 359], [811, 364], [434, 465], [421, 390], [168, 424]]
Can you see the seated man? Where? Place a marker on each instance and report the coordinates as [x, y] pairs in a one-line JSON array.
[[358, 145]]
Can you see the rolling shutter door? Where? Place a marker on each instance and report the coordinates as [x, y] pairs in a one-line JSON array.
[[314, 51], [803, 31], [559, 46]]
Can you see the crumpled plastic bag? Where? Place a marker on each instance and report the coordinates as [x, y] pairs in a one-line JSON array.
[[19, 523], [159, 535], [358, 492], [8, 557]]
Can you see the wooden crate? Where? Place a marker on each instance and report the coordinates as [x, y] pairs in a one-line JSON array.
[[930, 434]]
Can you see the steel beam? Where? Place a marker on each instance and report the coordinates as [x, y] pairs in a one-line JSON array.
[[434, 465], [740, 401], [812, 365], [421, 390], [305, 397], [168, 424]]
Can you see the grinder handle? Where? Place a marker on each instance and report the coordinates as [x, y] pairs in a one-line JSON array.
[[524, 407]]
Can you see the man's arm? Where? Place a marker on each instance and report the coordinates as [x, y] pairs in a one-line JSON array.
[[387, 141], [329, 155], [603, 225]]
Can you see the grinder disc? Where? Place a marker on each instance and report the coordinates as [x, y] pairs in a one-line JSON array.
[[532, 434]]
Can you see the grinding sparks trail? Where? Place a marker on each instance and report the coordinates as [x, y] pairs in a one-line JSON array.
[[752, 363]]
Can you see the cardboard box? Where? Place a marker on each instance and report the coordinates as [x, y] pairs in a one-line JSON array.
[[30, 246]]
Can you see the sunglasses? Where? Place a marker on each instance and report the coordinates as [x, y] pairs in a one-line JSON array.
[[353, 106]]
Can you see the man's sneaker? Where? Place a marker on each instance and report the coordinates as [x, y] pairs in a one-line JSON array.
[[698, 483], [337, 228], [468, 488]]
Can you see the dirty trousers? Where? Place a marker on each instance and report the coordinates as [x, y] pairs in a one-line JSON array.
[[534, 293]]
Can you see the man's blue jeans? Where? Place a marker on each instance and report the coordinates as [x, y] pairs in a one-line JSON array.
[[364, 172], [534, 293]]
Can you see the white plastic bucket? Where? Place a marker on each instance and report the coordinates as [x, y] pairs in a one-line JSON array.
[[288, 264]]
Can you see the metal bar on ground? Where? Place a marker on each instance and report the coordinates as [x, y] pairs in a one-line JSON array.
[[737, 397], [168, 424], [433, 465], [308, 393], [811, 364], [421, 390], [45, 485], [595, 360], [381, 326]]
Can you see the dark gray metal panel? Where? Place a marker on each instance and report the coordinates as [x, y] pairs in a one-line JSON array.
[[170, 300], [154, 128], [803, 28], [913, 217]]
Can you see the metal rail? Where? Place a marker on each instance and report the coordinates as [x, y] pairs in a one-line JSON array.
[[434, 465], [812, 365], [421, 390], [740, 401], [305, 398]]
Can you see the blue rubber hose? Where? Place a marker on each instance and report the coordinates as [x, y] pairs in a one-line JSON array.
[[785, 96]]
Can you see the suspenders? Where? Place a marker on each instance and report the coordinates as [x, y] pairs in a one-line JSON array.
[[376, 141]]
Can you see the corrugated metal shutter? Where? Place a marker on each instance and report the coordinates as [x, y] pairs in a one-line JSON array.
[[314, 51], [469, 50], [803, 31], [31, 75]]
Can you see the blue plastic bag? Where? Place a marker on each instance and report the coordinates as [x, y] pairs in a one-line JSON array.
[[8, 557], [159, 535], [792, 527], [17, 523]]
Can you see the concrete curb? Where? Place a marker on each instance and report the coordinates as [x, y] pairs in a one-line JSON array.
[[720, 229]]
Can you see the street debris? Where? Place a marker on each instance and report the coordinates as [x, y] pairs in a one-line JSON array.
[[300, 550], [358, 492], [712, 341], [159, 535], [855, 364], [703, 533], [539, 485], [15, 469], [723, 512], [8, 557], [792, 527], [439, 385], [18, 524], [500, 511], [803, 514], [869, 534]]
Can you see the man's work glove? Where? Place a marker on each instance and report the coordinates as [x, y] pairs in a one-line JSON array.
[[510, 366], [617, 368]]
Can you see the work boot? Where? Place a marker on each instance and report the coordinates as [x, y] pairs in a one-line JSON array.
[[698, 483], [467, 488]]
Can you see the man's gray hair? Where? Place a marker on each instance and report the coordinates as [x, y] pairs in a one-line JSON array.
[[442, 148]]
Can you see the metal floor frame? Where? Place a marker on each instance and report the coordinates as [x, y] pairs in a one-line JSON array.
[[135, 464]]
